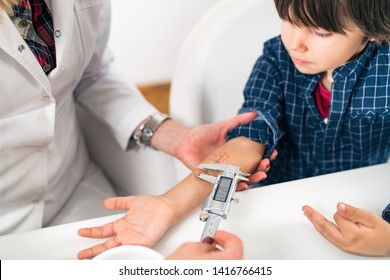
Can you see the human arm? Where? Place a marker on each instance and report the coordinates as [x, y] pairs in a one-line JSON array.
[[232, 249], [149, 217], [192, 145], [355, 230], [122, 108]]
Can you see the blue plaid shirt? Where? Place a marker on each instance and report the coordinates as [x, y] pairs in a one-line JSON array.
[[357, 133]]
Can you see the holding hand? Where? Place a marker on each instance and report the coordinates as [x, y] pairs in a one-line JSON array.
[[260, 173], [231, 244], [193, 145], [356, 231]]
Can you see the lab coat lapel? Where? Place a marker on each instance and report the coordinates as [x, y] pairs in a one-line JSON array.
[[63, 18]]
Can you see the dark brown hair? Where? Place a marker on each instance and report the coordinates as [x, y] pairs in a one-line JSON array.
[[371, 16]]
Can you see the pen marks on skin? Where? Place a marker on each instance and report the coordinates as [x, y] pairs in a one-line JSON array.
[[220, 158], [216, 158]]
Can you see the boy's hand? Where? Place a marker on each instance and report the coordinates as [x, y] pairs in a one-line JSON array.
[[355, 230], [147, 219]]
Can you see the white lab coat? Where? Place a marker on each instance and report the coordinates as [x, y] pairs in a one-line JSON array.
[[43, 158]]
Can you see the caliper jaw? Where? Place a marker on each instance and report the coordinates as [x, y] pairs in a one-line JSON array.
[[220, 168]]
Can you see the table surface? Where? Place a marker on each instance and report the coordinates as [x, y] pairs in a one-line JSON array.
[[269, 220]]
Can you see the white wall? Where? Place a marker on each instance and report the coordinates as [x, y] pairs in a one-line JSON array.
[[147, 35]]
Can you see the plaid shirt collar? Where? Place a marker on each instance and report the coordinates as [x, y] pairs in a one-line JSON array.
[[33, 20]]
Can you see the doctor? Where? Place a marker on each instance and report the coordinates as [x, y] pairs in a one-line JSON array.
[[53, 54]]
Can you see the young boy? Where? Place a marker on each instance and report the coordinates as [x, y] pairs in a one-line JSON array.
[[321, 94]]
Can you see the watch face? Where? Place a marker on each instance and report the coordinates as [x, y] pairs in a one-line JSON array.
[[222, 191]]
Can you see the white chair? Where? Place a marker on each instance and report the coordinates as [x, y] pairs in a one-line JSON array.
[[216, 60]]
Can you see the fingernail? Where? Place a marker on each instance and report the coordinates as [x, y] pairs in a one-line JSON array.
[[343, 207], [208, 240]]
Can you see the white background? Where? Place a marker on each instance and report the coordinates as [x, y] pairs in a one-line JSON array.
[[281, 270], [146, 35]]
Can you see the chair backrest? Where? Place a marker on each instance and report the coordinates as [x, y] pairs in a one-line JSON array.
[[217, 58]]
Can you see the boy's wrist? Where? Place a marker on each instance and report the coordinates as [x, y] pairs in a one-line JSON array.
[[186, 196], [175, 217]]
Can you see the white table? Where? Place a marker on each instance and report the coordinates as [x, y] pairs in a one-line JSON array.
[[269, 220]]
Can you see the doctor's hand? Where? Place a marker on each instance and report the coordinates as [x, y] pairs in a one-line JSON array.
[[147, 219], [192, 145], [260, 173], [355, 230], [232, 249]]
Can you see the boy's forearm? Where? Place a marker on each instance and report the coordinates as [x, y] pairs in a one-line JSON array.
[[191, 192]]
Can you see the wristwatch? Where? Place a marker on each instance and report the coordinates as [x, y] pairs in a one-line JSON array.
[[144, 132]]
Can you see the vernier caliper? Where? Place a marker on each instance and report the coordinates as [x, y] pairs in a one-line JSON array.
[[217, 204]]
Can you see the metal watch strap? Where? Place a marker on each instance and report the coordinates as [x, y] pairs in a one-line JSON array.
[[145, 131]]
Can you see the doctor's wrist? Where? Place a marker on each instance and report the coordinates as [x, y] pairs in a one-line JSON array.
[[169, 137]]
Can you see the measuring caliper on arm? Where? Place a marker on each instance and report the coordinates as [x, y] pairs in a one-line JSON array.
[[217, 204], [214, 187]]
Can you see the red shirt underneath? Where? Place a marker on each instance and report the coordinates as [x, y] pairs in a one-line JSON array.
[[322, 99]]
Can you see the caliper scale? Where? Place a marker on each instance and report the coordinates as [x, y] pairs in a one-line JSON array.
[[217, 204]]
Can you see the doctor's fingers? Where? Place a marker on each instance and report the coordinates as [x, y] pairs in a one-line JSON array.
[[274, 155], [240, 119], [232, 245], [237, 120], [254, 178], [265, 163]]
